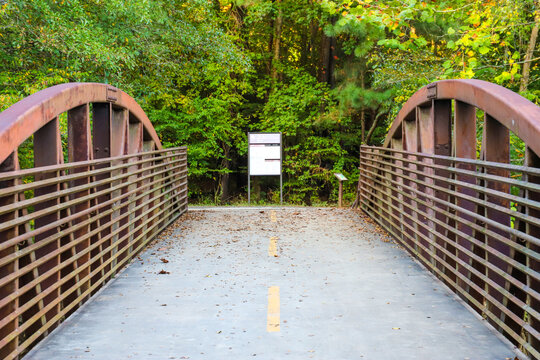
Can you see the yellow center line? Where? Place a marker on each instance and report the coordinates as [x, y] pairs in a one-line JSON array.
[[272, 323], [273, 217], [272, 246]]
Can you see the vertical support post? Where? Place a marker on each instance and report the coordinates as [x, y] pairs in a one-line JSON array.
[[397, 144], [533, 160], [363, 178], [281, 189], [497, 149], [367, 164], [410, 144], [465, 147], [185, 179], [48, 151], [442, 128], [378, 178], [386, 186], [10, 164], [281, 168], [426, 144], [165, 214], [101, 136], [135, 144], [147, 146], [156, 194], [248, 174], [119, 147], [80, 149]]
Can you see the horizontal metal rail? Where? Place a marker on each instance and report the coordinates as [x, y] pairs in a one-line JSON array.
[[468, 252], [66, 230], [458, 195], [480, 238]]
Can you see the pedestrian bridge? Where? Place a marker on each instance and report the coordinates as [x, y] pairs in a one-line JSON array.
[[100, 259]]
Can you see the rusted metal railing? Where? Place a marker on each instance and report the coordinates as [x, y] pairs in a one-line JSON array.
[[98, 193], [459, 206], [101, 214]]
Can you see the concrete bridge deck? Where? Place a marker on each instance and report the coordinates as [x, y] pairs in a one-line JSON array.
[[284, 283]]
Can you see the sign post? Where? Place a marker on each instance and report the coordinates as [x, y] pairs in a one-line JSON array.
[[264, 158], [341, 178]]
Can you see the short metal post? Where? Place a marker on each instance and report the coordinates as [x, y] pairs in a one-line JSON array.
[[281, 189]]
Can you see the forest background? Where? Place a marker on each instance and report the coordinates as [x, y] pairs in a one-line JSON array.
[[329, 75]]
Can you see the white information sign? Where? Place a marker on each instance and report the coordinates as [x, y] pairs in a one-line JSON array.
[[264, 157], [264, 154]]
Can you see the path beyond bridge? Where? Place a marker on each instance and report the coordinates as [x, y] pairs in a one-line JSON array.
[[293, 283]]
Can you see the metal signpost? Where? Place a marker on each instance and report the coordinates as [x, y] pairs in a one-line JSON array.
[[264, 158]]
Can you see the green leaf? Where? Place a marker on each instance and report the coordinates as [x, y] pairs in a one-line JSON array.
[[451, 31], [420, 41], [484, 50]]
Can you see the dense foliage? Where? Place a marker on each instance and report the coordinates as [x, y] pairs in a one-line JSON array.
[[330, 75]]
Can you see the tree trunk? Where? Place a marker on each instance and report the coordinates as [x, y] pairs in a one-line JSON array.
[[530, 50], [324, 61], [313, 48], [363, 126], [374, 125], [327, 59], [276, 45], [270, 48], [226, 176], [304, 40], [332, 65]]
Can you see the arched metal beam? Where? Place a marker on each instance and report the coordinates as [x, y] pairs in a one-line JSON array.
[[516, 113], [24, 118]]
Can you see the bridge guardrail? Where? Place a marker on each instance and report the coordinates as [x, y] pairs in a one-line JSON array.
[[443, 186], [481, 240], [102, 186], [84, 222]]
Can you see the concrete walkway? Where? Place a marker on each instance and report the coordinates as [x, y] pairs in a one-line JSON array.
[[291, 283]]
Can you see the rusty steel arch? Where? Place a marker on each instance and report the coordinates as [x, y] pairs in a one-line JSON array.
[[29, 115], [67, 227], [516, 113], [442, 184]]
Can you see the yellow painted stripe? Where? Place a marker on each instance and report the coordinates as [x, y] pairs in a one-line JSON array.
[[272, 246], [272, 322], [273, 217]]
